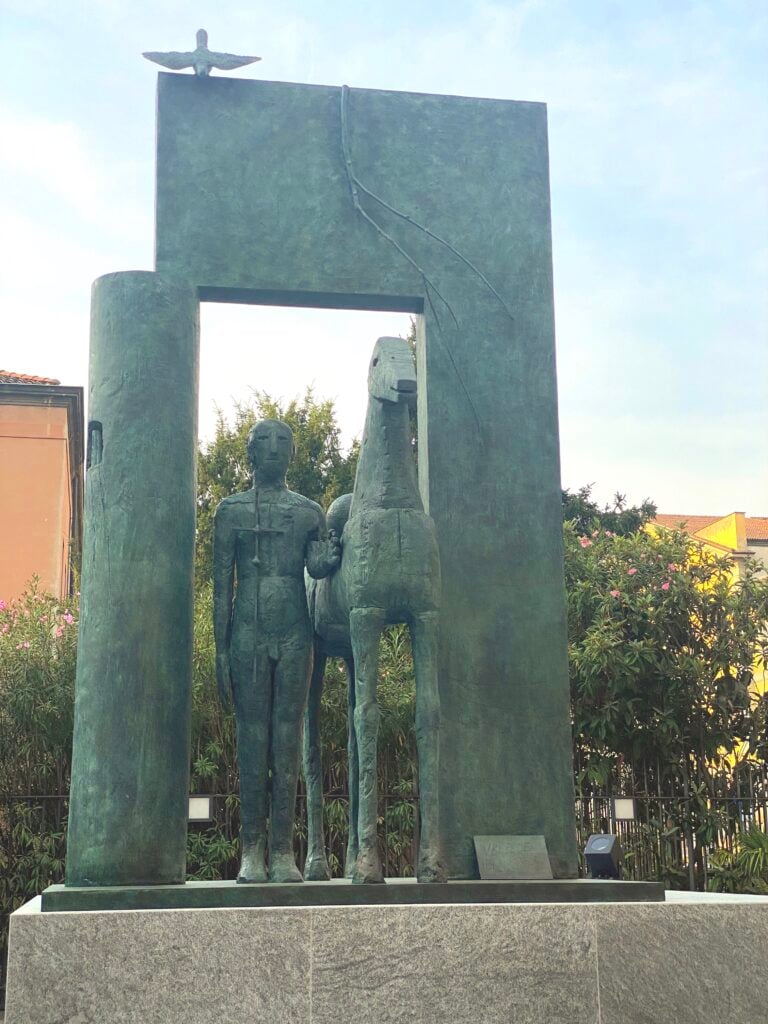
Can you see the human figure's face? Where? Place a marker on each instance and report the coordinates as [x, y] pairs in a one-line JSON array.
[[270, 447]]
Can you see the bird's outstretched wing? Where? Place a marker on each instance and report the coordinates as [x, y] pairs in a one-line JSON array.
[[229, 61], [174, 60]]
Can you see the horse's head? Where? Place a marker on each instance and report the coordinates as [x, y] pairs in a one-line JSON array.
[[392, 373]]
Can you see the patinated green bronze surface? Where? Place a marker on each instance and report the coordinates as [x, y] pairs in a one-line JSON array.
[[201, 59], [390, 573], [130, 760], [264, 538], [305, 195], [329, 616], [340, 892]]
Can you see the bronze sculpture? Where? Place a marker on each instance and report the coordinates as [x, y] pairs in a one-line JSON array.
[[201, 58], [330, 621], [390, 572], [264, 538]]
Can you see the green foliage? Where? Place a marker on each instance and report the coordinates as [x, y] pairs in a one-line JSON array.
[[319, 470], [211, 854], [38, 637], [663, 643], [38, 642], [743, 870], [586, 515], [662, 647]]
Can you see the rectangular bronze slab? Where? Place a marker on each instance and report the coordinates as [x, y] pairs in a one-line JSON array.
[[512, 857], [341, 892], [254, 205]]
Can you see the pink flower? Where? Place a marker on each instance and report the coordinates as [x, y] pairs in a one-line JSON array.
[[615, 593], [68, 618], [59, 631], [585, 542], [43, 618], [672, 567], [631, 572], [5, 628], [25, 644], [595, 533], [665, 585], [3, 605], [608, 533]]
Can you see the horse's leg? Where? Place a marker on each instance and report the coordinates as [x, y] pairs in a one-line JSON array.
[[353, 773], [424, 641], [316, 867], [365, 626]]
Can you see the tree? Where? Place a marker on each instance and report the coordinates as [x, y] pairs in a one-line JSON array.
[[320, 470], [619, 518]]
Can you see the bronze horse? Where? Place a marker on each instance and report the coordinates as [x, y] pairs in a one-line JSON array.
[[389, 573]]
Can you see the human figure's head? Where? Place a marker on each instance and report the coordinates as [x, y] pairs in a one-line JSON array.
[[270, 449]]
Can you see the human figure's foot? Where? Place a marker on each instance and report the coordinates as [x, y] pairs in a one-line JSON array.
[[252, 868], [282, 868]]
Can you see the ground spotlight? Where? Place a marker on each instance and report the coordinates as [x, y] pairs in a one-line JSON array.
[[603, 856]]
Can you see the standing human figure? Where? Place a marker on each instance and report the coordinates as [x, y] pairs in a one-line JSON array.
[[263, 540]]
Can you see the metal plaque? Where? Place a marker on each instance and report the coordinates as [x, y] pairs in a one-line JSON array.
[[515, 857]]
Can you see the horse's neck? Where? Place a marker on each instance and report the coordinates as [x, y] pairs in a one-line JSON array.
[[386, 472]]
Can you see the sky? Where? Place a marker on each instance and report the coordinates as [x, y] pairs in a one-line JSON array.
[[658, 122]]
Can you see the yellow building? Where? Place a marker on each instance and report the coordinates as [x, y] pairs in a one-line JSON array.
[[737, 535]]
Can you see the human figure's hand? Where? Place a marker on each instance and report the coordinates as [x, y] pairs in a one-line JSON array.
[[323, 556], [224, 680]]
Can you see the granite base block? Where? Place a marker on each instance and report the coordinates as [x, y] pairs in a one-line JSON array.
[[465, 964]]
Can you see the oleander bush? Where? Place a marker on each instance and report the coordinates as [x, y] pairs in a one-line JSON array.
[[664, 647]]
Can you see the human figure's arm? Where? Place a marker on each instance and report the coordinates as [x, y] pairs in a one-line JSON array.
[[323, 551], [223, 592]]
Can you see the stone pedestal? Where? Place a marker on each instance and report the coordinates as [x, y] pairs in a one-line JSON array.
[[604, 963]]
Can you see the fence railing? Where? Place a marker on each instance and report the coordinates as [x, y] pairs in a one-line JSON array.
[[661, 841]]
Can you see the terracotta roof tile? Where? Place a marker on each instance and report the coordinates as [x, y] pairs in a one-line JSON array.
[[757, 527], [9, 377], [691, 523]]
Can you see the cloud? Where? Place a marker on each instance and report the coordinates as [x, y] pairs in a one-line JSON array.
[[54, 160]]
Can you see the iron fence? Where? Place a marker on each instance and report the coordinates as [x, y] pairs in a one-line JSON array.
[[671, 837]]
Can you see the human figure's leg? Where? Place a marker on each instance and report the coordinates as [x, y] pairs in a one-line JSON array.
[[252, 686], [289, 700]]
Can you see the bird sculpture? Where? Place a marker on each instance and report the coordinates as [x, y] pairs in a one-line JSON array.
[[201, 59]]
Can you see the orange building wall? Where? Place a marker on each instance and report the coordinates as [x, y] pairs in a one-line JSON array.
[[35, 498]]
